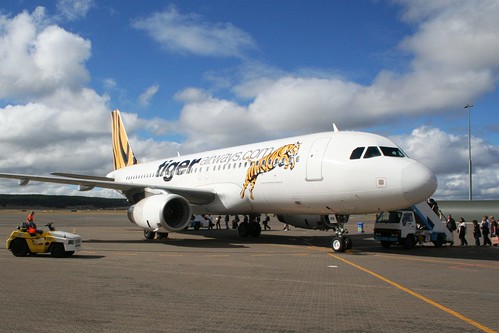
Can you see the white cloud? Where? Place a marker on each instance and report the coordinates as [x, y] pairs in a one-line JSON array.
[[447, 155], [74, 9], [191, 34], [38, 59], [145, 97]]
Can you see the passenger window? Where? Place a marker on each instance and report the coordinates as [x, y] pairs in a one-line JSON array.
[[372, 152], [357, 153]]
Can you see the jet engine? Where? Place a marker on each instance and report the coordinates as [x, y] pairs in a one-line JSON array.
[[170, 211], [321, 222]]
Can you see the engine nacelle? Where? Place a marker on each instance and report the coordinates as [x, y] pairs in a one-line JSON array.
[[170, 211], [321, 222]]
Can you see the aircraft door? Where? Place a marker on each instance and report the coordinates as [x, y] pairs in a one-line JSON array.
[[314, 159]]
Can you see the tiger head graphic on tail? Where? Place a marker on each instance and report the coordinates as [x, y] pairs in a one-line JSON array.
[[281, 157]]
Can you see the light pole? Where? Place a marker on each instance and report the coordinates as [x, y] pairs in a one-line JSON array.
[[470, 168]]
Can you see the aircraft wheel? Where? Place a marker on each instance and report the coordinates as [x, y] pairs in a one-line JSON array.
[[338, 244], [348, 243], [162, 235], [149, 234], [19, 247], [244, 229], [255, 229], [57, 250]]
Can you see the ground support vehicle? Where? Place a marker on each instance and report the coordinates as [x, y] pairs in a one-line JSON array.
[[58, 243], [200, 221], [416, 225]]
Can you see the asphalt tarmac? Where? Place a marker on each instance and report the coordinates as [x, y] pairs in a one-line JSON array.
[[214, 281]]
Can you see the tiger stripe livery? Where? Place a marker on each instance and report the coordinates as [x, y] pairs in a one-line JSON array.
[[281, 157], [122, 151]]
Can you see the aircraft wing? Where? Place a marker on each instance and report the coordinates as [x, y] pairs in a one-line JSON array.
[[85, 182]]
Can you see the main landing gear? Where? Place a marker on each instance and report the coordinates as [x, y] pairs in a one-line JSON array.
[[340, 242], [149, 235], [252, 229]]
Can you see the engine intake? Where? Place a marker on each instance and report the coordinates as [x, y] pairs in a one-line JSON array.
[[169, 211]]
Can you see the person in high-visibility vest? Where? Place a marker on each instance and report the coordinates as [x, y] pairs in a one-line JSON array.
[[30, 222]]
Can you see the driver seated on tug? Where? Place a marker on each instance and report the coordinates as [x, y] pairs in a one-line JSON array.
[[30, 225]]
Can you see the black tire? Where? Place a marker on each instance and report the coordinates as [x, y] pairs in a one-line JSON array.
[[57, 250], [162, 235], [69, 253], [348, 243], [243, 229], [255, 229], [338, 244], [386, 244], [438, 243], [19, 247], [409, 242], [149, 234]]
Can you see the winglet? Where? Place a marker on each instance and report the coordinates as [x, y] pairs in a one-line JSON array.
[[122, 151]]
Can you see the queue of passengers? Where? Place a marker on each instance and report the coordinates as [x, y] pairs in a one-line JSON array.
[[486, 228]]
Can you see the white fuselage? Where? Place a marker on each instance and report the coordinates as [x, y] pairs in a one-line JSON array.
[[312, 174]]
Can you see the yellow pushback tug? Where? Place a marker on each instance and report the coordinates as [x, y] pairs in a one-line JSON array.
[[58, 243]]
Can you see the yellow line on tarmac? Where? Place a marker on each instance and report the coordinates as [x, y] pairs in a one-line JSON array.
[[415, 294]]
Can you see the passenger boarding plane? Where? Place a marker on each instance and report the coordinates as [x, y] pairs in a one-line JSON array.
[[309, 181]]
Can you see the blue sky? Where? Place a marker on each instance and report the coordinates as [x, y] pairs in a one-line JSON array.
[[197, 75]]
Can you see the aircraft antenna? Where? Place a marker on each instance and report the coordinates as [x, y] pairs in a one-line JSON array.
[[335, 129]]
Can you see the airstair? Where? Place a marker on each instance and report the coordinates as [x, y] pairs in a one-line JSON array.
[[433, 222]]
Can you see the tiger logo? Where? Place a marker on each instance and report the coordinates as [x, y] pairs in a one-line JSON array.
[[281, 157]]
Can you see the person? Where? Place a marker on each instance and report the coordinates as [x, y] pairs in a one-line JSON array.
[[235, 222], [227, 219], [30, 224], [493, 226], [484, 225], [494, 230], [451, 223], [266, 220], [434, 206], [476, 232], [210, 221], [461, 231], [217, 223]]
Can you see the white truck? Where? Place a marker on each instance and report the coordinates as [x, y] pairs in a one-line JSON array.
[[418, 224]]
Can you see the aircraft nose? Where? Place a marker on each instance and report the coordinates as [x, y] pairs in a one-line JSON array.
[[418, 183]]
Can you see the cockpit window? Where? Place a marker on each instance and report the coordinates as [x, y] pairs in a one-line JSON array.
[[372, 152], [392, 152], [357, 153]]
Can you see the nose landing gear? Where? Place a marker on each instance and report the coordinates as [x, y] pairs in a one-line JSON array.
[[340, 242]]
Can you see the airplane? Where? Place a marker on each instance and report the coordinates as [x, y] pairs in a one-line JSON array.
[[309, 181]]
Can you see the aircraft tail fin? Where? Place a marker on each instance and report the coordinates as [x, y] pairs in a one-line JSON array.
[[122, 151]]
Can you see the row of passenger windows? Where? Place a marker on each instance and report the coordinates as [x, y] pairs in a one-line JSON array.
[[373, 151]]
